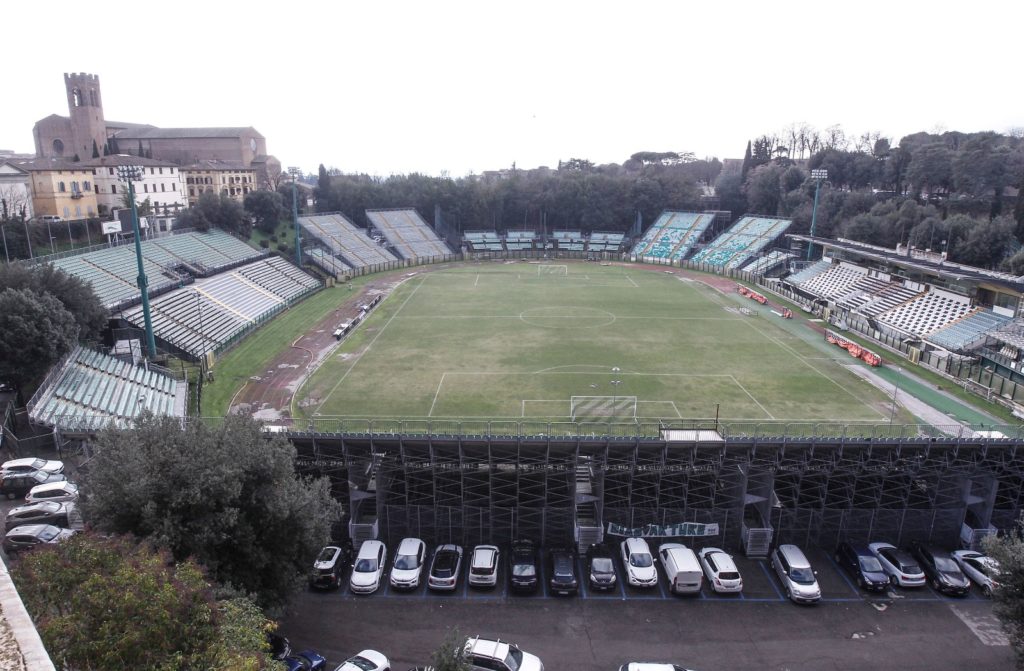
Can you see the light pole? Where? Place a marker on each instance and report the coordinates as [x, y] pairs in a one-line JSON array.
[[896, 390], [4, 233], [129, 174], [295, 172], [28, 239], [817, 175], [49, 233], [615, 390], [202, 338]]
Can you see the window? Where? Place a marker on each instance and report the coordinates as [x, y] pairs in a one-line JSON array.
[[113, 188], [86, 186], [145, 188], [191, 192], [67, 213], [161, 171], [151, 171], [163, 187], [78, 210], [96, 188], [110, 171], [61, 188], [174, 186]]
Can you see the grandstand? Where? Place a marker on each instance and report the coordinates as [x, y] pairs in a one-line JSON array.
[[745, 238], [835, 280], [210, 314], [407, 232], [113, 271], [673, 235], [768, 262], [605, 242], [570, 241], [90, 390], [927, 312], [345, 239], [328, 262], [483, 241], [519, 240], [967, 331]]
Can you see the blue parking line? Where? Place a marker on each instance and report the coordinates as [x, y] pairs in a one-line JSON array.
[[771, 579], [842, 574], [465, 585]]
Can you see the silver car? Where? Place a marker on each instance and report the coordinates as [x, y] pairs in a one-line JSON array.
[[796, 574], [31, 535], [41, 512]]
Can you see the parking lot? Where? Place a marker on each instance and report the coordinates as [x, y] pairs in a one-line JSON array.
[[757, 629]]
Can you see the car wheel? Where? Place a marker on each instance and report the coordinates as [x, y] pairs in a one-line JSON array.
[[936, 585], [987, 590], [860, 582], [893, 581]]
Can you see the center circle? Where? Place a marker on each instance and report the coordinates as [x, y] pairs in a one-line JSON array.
[[567, 317]]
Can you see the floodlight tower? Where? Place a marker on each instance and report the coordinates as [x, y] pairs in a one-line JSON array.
[[129, 174], [295, 172], [817, 175]]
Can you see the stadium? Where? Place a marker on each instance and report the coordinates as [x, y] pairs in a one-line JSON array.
[[684, 380]]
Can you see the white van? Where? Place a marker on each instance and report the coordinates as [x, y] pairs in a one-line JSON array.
[[685, 575]]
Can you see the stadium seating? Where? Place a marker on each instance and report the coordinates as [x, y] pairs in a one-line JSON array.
[[768, 262], [519, 240], [113, 271], [928, 312], [208, 314], [810, 271], [835, 281], [92, 389], [328, 262], [408, 233], [744, 239], [872, 296], [673, 235], [571, 241], [605, 242], [967, 330], [483, 241], [345, 239]]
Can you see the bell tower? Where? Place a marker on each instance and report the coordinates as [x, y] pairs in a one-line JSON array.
[[86, 108]]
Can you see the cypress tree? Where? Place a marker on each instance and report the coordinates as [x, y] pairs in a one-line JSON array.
[[747, 158], [141, 153], [95, 150]]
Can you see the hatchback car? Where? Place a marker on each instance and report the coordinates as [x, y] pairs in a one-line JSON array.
[[31, 535], [720, 570], [496, 655], [563, 572], [483, 566], [639, 563], [944, 573], [328, 567], [407, 568], [523, 570], [601, 568], [863, 566], [367, 660], [15, 484], [444, 568], [981, 569], [29, 464], [368, 568], [54, 491], [902, 569], [41, 512], [796, 574], [307, 660]]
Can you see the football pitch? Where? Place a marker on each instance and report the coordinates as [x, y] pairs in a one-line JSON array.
[[579, 341]]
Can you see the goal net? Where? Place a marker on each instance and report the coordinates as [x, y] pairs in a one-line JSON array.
[[597, 407], [551, 269]]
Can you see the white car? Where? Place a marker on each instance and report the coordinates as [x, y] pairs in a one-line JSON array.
[[29, 464], [483, 566], [493, 655], [407, 567], [902, 569], [650, 666], [53, 491], [980, 568], [720, 570], [368, 568], [367, 660], [639, 563]]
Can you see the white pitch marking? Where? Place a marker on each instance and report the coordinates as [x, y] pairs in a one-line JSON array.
[[770, 416], [477, 280], [435, 395], [632, 282]]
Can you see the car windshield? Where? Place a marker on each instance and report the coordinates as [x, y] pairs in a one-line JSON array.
[[910, 567], [38, 463], [514, 658], [729, 575], [406, 562], [601, 565], [803, 576], [946, 565], [870, 565], [40, 476], [640, 560], [524, 570], [327, 554], [49, 533], [366, 565], [362, 663]]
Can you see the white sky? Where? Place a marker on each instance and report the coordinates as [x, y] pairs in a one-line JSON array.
[[395, 87]]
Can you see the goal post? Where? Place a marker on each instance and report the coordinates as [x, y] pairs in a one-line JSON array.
[[602, 407], [552, 269]]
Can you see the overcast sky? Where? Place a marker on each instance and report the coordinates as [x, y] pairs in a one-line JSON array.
[[384, 88]]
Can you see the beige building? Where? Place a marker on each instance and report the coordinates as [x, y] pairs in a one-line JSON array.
[[220, 177], [74, 135], [61, 187], [161, 182]]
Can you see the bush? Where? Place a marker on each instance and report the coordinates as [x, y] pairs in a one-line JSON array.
[[265, 244]]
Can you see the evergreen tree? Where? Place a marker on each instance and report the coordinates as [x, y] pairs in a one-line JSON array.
[[106, 148], [75, 159], [746, 162], [141, 152], [114, 149], [95, 150]]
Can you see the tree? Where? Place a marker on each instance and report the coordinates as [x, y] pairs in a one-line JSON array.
[[35, 332], [227, 495], [1008, 598], [103, 603], [764, 189], [95, 149], [266, 208], [578, 164], [75, 295], [221, 211], [987, 243], [141, 152], [450, 655]]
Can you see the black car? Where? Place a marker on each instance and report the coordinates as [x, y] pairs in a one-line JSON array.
[[524, 572], [563, 572], [943, 572], [15, 485], [280, 647], [862, 566], [601, 567], [329, 565]]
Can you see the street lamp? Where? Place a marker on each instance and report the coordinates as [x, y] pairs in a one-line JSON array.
[[818, 174], [28, 239], [295, 172], [199, 307], [129, 174], [895, 391], [615, 389]]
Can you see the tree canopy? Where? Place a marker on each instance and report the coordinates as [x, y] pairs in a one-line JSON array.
[[35, 332], [227, 495], [266, 209], [104, 603], [76, 296], [221, 211]]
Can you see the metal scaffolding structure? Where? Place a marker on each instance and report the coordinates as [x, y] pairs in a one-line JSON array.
[[568, 490]]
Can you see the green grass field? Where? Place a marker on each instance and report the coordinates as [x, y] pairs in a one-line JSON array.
[[581, 341]]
